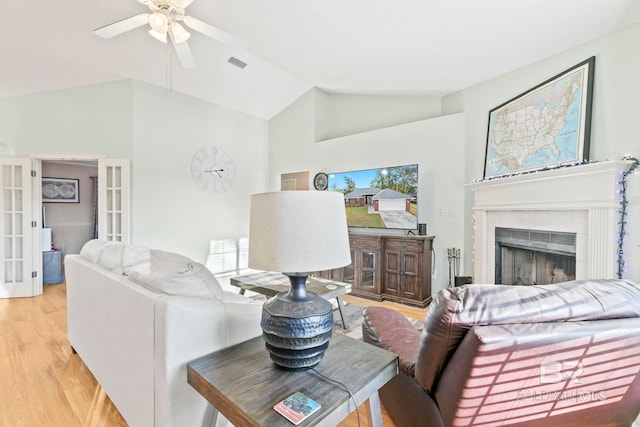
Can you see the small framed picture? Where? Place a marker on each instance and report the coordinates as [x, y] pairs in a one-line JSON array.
[[60, 190], [294, 181]]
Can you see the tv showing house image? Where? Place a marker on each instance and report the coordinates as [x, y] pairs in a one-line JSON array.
[[379, 198]]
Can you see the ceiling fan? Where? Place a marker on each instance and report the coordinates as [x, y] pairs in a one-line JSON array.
[[165, 21]]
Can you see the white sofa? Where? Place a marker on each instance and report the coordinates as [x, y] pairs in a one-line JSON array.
[[136, 316]]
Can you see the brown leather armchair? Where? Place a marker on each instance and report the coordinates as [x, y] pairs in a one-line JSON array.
[[566, 354]]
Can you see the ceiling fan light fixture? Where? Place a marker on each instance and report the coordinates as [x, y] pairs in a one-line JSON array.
[[158, 35], [180, 35], [159, 22], [167, 20]]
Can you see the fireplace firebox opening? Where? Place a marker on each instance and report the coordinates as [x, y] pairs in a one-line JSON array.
[[534, 257]]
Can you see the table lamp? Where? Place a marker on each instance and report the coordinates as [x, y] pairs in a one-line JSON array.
[[297, 233]]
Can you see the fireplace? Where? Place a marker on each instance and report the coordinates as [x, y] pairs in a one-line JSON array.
[[534, 257], [582, 201]]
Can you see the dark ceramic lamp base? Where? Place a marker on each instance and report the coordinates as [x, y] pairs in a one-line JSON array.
[[297, 326]]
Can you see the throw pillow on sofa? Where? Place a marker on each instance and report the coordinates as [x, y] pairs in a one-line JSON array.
[[174, 274]]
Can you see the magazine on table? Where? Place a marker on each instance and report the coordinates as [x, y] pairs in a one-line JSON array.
[[297, 407]]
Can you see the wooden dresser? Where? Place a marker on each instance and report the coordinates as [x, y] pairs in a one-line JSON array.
[[388, 267]]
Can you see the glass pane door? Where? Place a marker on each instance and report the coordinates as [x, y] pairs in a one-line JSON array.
[[113, 200], [17, 232]]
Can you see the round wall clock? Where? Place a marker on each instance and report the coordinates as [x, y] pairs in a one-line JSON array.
[[321, 181], [212, 169]]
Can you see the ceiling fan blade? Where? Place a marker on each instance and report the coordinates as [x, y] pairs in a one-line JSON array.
[[122, 26], [184, 53], [214, 33]]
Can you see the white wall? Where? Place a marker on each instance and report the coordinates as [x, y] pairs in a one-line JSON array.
[[170, 212], [614, 122], [159, 131], [345, 114], [92, 120], [436, 145]]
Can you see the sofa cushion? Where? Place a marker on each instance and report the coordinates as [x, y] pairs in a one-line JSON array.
[[456, 310], [93, 249], [119, 257], [174, 274], [116, 257]]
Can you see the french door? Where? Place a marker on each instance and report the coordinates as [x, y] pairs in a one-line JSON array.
[[113, 200], [18, 278], [21, 207]]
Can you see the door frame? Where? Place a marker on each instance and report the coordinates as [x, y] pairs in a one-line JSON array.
[[101, 162], [36, 161]]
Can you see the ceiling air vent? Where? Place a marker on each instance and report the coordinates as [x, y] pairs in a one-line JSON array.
[[237, 62]]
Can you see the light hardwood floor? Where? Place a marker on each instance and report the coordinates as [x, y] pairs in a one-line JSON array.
[[42, 383]]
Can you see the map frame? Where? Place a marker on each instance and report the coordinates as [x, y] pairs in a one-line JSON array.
[[584, 69]]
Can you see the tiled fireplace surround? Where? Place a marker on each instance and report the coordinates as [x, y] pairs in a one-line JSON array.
[[581, 199]]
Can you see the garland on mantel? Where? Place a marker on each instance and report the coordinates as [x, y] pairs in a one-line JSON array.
[[623, 213], [543, 169]]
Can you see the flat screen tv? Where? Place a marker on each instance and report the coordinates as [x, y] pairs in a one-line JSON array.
[[379, 198]]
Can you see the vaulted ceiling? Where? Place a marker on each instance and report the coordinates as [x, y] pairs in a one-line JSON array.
[[403, 47]]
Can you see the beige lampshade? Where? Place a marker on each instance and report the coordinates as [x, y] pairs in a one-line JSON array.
[[298, 231]]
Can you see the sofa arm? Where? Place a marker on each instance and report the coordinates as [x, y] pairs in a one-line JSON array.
[[390, 330], [243, 320], [188, 328]]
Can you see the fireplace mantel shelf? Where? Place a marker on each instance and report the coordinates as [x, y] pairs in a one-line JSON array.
[[578, 170], [588, 185], [581, 199]]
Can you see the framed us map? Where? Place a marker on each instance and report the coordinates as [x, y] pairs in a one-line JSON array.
[[546, 126]]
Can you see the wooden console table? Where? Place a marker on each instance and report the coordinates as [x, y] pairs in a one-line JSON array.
[[388, 267], [243, 383]]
